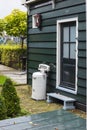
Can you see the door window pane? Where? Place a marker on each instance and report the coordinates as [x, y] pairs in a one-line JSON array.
[[72, 34], [66, 34], [66, 50], [72, 51]]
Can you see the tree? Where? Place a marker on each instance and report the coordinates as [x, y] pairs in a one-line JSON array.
[[2, 26], [16, 24]]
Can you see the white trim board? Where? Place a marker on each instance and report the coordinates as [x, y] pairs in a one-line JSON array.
[[59, 22]]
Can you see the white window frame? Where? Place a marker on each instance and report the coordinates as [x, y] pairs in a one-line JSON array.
[[58, 63]]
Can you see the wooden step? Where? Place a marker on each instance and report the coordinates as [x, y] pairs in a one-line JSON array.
[[68, 102]]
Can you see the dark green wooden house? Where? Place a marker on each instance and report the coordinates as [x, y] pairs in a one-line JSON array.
[[56, 34]]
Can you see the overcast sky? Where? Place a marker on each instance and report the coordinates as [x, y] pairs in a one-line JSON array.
[[6, 7]]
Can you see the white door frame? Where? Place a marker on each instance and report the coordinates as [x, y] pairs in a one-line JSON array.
[[59, 22]]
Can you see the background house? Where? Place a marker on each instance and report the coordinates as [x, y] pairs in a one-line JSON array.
[[57, 36]]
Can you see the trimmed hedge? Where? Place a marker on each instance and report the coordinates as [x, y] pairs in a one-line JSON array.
[[11, 99], [10, 55], [0, 52], [3, 109]]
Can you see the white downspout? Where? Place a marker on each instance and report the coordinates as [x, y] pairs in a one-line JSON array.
[[53, 4]]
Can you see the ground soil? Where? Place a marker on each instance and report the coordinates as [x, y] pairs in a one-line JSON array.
[[32, 106]]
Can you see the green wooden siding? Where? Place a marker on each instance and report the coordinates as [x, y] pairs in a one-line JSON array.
[[49, 37], [42, 43]]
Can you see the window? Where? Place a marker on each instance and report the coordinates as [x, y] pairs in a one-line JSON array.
[[69, 40], [67, 44]]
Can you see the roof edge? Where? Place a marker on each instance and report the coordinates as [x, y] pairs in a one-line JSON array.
[[23, 2]]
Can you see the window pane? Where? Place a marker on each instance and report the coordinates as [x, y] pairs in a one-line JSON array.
[[72, 34], [66, 34], [65, 50], [72, 51]]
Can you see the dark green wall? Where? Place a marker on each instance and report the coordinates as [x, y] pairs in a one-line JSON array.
[[42, 43]]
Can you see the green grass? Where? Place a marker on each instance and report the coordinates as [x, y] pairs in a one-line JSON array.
[[2, 79]]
